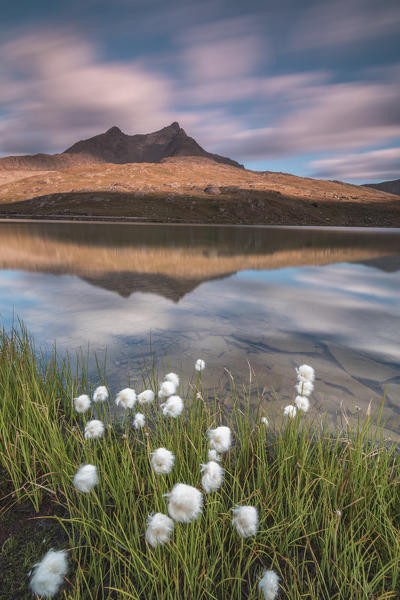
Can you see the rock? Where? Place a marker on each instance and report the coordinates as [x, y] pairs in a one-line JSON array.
[[212, 189]]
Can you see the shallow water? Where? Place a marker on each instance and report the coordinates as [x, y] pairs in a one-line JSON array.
[[271, 297]]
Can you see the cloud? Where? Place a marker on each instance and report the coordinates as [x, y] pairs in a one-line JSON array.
[[223, 50], [345, 22], [55, 90], [366, 166], [278, 88], [331, 116], [217, 79]]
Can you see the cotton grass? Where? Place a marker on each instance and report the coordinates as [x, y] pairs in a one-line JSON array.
[[139, 421], [49, 573], [200, 365], [100, 394], [269, 584], [167, 388], [82, 403], [220, 439], [213, 476], [302, 403], [146, 397], [245, 520], [305, 373], [94, 429], [86, 478], [173, 377], [172, 407], [213, 455], [290, 411], [159, 529], [184, 503], [126, 398], [305, 388], [162, 461]]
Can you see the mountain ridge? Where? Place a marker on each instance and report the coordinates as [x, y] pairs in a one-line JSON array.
[[116, 147], [390, 187]]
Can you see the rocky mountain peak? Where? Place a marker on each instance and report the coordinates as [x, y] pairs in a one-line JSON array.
[[115, 146], [114, 131]]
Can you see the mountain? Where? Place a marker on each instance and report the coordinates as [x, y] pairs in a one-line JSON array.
[[391, 187], [116, 147]]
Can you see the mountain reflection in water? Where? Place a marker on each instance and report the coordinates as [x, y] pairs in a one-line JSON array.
[[274, 296]]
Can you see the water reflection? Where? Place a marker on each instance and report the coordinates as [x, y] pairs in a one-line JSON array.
[[274, 297]]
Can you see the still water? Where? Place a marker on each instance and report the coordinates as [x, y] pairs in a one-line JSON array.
[[271, 297]]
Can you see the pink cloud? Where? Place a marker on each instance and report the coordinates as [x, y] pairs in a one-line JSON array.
[[223, 50], [57, 90], [332, 116], [365, 166]]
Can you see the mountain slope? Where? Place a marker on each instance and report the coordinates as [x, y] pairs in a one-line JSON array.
[[198, 190], [391, 187]]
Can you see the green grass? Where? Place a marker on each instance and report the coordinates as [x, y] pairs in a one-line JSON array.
[[329, 502]]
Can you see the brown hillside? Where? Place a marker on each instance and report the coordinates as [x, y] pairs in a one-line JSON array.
[[198, 190]]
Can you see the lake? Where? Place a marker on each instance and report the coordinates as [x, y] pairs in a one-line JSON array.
[[269, 297]]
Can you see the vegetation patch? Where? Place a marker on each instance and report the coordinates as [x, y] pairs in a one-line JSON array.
[[322, 507]]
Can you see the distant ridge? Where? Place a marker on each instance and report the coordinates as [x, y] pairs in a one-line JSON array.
[[116, 147], [391, 187]]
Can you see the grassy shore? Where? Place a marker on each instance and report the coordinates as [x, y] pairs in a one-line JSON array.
[[329, 503]]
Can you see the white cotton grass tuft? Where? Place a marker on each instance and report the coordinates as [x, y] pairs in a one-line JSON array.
[[213, 455], [94, 429], [86, 478], [265, 421], [162, 461], [302, 403], [172, 407], [48, 574], [305, 373], [220, 439], [100, 394], [126, 398], [305, 388], [167, 388], [146, 397], [200, 365], [269, 585], [184, 503], [82, 403], [290, 411], [245, 519], [213, 476], [139, 421], [173, 377], [159, 529]]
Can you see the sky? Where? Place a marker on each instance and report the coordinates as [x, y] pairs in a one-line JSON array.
[[309, 87]]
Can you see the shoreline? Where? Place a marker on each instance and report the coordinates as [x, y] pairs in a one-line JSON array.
[[115, 220]]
